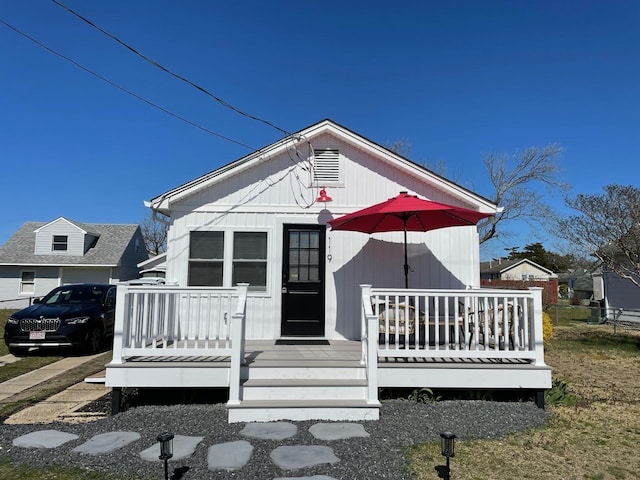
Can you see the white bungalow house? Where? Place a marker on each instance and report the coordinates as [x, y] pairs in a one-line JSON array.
[[515, 269], [301, 322], [40, 256]]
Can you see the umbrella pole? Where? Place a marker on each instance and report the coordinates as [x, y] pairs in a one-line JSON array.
[[406, 262]]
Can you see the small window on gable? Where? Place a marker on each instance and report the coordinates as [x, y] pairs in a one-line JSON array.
[[28, 283], [60, 243], [326, 167]]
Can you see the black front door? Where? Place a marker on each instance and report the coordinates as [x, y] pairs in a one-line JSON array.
[[303, 280]]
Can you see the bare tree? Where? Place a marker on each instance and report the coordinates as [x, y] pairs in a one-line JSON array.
[[607, 226], [513, 179], [154, 231]]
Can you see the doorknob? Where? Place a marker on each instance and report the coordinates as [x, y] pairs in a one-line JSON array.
[[284, 289]]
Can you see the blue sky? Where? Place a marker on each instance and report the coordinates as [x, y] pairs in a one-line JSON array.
[[456, 79]]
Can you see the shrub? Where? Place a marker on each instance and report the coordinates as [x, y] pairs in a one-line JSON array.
[[547, 328]]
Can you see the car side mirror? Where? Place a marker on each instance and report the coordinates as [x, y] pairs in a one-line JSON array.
[[37, 300]]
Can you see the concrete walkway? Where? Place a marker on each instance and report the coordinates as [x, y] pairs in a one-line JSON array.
[[59, 407]]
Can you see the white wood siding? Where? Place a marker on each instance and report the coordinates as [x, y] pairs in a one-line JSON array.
[[268, 196]]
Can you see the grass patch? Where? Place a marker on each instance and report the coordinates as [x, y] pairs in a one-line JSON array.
[[10, 470], [596, 437], [4, 314]]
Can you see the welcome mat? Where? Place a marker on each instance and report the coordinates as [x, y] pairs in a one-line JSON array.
[[302, 341]]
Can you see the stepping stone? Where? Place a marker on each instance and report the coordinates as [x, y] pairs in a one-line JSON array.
[[183, 447], [107, 442], [44, 439], [291, 458], [315, 477], [229, 456], [337, 431], [269, 430]]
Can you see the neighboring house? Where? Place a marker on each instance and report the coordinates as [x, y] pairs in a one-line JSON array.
[[41, 256], [302, 341], [514, 269], [621, 298]]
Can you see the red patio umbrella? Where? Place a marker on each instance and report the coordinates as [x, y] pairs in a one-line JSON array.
[[406, 213]]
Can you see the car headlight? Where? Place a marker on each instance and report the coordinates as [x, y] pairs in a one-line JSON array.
[[12, 321], [77, 320]]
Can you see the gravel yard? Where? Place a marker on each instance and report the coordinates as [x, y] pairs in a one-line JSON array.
[[381, 456]]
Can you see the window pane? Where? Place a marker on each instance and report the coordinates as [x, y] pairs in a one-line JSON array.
[[294, 239], [304, 239], [250, 245], [206, 245], [205, 274], [28, 276], [304, 257], [253, 273], [314, 257], [314, 274], [314, 239]]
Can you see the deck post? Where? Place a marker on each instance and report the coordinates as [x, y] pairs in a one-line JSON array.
[[237, 344], [370, 336], [538, 335], [121, 323]]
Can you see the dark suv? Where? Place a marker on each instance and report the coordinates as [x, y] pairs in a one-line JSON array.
[[78, 316]]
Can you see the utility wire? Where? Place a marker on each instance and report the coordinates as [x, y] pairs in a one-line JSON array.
[[129, 92], [166, 70]]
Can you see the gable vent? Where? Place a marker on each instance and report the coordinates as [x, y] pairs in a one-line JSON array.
[[326, 167]]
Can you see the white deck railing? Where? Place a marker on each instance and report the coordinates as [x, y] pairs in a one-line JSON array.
[[450, 324], [171, 321]]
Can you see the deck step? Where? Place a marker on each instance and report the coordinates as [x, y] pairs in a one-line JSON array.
[[331, 410], [304, 389]]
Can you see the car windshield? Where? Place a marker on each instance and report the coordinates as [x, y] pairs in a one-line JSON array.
[[75, 295]]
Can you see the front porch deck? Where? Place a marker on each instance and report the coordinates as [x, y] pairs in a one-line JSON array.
[[163, 342]]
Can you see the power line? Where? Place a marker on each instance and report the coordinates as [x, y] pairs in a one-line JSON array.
[[166, 70], [129, 92]]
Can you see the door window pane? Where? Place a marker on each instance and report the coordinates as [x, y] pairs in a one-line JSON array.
[[304, 256]]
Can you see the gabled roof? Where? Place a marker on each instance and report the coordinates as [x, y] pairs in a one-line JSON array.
[[502, 266], [80, 226], [163, 202], [108, 251]]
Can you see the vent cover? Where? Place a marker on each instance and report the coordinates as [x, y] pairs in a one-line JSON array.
[[326, 167]]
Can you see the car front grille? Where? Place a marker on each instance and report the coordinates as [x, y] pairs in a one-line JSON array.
[[39, 324]]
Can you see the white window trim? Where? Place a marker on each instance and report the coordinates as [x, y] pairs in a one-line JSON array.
[[22, 283], [227, 261]]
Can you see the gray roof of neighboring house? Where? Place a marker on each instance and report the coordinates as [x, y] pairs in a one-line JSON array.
[[499, 266], [111, 245]]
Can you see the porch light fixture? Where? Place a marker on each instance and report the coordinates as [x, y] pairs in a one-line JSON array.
[[323, 197], [166, 450], [447, 441]]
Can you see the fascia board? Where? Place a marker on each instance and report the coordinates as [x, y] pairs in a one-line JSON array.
[[37, 230]]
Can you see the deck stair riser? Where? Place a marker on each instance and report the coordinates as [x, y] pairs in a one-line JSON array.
[[303, 390], [292, 372]]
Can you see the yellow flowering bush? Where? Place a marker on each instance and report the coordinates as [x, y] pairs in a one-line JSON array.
[[547, 328]]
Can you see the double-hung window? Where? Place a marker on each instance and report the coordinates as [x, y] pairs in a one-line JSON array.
[[28, 283], [60, 243], [250, 260], [206, 259]]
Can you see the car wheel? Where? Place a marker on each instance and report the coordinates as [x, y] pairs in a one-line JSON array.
[[18, 352], [94, 340]]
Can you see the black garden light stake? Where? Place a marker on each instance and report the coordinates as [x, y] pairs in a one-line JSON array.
[[447, 441], [166, 450]]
